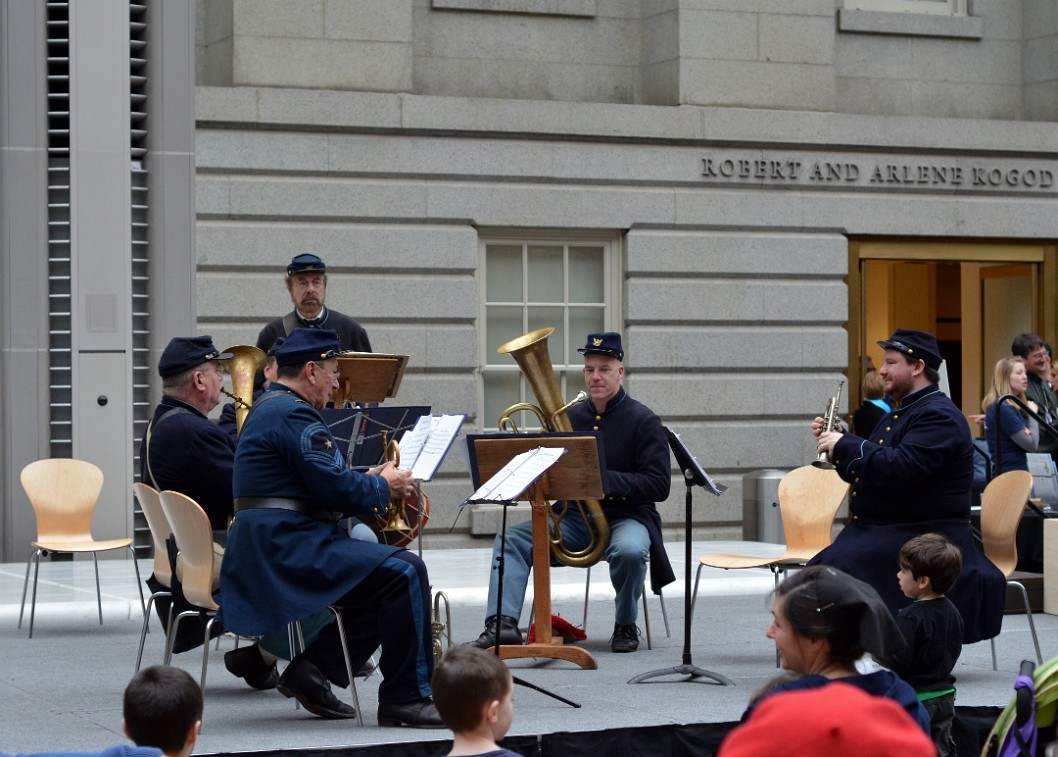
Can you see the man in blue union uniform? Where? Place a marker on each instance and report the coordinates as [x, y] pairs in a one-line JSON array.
[[911, 477], [287, 558], [638, 475]]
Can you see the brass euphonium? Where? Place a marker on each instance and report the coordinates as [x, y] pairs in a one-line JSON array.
[[243, 367], [830, 421], [530, 352]]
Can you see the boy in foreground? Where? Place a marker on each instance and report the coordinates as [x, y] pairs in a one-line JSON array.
[[474, 694]]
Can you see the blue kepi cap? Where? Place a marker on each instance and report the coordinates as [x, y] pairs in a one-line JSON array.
[[186, 352], [606, 343], [307, 346], [306, 262]]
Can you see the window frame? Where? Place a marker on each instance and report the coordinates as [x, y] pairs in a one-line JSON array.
[[948, 8], [612, 308]]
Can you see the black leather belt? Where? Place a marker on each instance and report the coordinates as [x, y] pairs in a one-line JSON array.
[[303, 506]]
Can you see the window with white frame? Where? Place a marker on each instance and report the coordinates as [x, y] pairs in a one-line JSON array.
[[944, 7], [570, 285]]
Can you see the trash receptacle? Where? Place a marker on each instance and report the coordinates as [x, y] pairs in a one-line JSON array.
[[760, 506]]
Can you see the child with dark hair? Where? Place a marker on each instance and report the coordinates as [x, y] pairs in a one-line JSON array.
[[474, 695], [824, 621], [931, 625], [163, 709]]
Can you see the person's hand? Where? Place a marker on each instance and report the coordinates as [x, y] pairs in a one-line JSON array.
[[977, 419], [817, 426], [827, 440], [1033, 406], [401, 484]]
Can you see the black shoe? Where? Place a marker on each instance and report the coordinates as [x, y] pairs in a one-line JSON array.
[[306, 683], [366, 669], [419, 714], [509, 633], [624, 639], [246, 663]]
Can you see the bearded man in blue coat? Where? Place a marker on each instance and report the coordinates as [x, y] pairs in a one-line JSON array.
[[287, 558], [911, 477]]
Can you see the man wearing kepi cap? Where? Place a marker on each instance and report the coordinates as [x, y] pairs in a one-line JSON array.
[[638, 474], [287, 557], [182, 449], [306, 281], [912, 476]]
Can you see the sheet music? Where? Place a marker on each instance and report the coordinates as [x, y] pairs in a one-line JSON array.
[[516, 476], [423, 449]]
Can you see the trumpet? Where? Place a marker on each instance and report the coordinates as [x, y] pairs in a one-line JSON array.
[[441, 628], [830, 420]]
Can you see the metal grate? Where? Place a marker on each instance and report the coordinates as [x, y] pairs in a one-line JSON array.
[[139, 156], [59, 304]]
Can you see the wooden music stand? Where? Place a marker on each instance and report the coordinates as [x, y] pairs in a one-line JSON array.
[[368, 377], [576, 475]]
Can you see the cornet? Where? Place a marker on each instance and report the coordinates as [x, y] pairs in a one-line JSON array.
[[830, 420]]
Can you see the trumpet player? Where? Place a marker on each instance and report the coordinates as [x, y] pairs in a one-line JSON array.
[[182, 449], [910, 477], [639, 473]]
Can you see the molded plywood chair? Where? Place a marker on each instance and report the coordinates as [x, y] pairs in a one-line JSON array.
[[809, 499], [194, 540], [1002, 505], [64, 493], [151, 505]]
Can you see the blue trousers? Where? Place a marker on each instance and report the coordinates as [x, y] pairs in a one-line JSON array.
[[627, 554]]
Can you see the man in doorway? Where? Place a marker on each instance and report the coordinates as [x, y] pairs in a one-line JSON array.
[[638, 474], [1037, 356], [912, 476], [307, 286]]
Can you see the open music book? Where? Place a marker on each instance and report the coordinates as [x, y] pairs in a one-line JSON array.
[[516, 476], [423, 448]]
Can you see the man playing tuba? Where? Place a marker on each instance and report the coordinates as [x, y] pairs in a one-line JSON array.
[[638, 474]]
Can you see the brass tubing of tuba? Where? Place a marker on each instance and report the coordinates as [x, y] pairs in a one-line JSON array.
[[530, 352], [243, 367]]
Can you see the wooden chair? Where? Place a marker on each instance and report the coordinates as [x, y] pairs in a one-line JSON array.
[[809, 499], [64, 492], [151, 505], [194, 539], [1002, 505]]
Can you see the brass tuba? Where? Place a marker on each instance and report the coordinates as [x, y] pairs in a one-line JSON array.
[[243, 367], [530, 352]]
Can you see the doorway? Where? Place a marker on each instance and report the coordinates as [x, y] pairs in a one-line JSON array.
[[975, 296]]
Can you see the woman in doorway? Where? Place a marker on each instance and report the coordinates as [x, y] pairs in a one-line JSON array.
[[1020, 432], [824, 621], [874, 407]]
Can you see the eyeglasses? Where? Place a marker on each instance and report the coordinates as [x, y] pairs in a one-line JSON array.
[[1040, 355], [305, 283], [336, 375]]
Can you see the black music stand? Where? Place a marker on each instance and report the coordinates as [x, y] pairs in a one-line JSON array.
[[693, 475]]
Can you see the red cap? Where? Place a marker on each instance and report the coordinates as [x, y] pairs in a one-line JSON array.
[[834, 719]]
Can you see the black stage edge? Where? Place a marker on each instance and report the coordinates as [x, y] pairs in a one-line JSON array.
[[970, 729]]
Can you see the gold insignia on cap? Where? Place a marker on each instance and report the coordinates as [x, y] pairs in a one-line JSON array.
[[596, 342], [910, 351]]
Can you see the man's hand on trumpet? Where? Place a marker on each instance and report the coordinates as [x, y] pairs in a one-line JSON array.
[[401, 484], [825, 440]]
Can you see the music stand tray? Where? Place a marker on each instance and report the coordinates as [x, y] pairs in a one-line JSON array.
[[576, 475], [368, 377]]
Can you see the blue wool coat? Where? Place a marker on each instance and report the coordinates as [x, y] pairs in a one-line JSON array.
[[913, 476], [638, 469], [280, 565]]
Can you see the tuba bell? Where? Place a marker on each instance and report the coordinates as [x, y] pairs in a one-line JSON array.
[[530, 352], [243, 367]]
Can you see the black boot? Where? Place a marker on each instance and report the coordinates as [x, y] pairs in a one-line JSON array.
[[509, 633], [246, 663], [306, 683]]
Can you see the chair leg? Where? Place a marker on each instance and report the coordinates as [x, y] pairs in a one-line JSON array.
[[646, 619], [146, 620], [33, 602], [170, 637], [139, 583], [664, 614], [205, 654], [348, 664], [25, 585], [587, 588], [694, 594], [1028, 613], [99, 594], [993, 642]]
